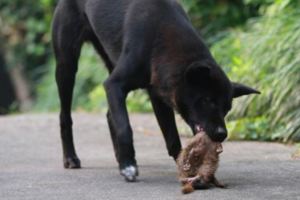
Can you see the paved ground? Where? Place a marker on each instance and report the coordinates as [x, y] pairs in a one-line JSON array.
[[31, 165]]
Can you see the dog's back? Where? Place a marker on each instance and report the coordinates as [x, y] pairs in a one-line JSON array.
[[115, 22]]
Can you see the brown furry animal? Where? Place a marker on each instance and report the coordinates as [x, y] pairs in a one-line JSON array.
[[198, 162]]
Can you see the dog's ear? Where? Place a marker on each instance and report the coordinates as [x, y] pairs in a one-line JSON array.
[[197, 74], [240, 90]]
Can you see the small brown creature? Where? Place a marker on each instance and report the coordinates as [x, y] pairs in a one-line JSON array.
[[198, 162]]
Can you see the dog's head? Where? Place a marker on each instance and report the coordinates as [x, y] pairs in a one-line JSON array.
[[204, 97]]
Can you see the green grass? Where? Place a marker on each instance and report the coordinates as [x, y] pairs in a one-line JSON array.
[[265, 55]]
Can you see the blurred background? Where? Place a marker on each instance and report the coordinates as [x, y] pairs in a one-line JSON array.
[[256, 41]]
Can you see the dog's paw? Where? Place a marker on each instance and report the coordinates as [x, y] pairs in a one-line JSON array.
[[72, 163], [130, 173]]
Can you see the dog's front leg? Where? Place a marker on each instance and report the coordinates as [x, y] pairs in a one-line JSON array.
[[125, 151], [166, 120], [117, 87]]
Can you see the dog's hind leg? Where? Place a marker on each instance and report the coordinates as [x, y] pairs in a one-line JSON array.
[[67, 42], [166, 120]]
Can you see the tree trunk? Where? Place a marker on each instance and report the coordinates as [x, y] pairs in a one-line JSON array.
[[7, 94], [22, 88]]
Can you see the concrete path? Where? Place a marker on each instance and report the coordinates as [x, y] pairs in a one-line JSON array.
[[31, 164]]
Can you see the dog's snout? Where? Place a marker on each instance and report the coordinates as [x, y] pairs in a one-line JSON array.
[[220, 134]]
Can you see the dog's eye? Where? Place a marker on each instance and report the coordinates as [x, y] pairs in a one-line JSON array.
[[207, 101]]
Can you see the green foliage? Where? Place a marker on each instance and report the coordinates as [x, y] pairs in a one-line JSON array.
[[138, 101], [266, 56], [249, 129], [216, 16], [25, 34], [90, 75]]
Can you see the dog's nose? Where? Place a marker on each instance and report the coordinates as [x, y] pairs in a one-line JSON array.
[[220, 134]]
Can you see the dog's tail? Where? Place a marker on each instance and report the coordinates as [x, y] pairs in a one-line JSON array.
[[187, 188]]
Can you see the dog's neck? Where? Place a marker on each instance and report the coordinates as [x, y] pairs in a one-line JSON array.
[[173, 53]]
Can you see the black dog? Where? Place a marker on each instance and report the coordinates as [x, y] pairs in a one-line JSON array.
[[148, 44]]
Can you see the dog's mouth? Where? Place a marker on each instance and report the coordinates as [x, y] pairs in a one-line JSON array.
[[215, 135], [198, 128]]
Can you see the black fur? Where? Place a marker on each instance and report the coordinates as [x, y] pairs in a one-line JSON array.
[[147, 44]]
